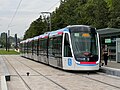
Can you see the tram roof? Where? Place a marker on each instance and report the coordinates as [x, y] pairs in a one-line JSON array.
[[30, 39], [60, 31], [53, 33], [57, 32], [70, 26], [35, 38], [45, 35], [22, 42]]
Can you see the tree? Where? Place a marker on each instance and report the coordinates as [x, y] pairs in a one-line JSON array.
[[66, 14], [114, 14], [97, 13], [94, 12], [3, 39], [37, 27]]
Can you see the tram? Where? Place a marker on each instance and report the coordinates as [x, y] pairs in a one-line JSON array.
[[74, 47]]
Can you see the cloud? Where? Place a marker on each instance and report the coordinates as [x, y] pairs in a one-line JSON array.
[[28, 11]]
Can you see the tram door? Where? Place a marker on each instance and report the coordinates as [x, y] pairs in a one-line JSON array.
[[67, 57]]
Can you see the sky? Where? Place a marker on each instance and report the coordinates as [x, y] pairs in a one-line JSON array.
[[28, 11]]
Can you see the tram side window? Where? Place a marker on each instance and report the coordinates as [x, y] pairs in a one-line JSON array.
[[36, 46], [32, 46], [40, 46], [67, 50], [43, 46], [28, 47], [50, 47], [21, 48], [55, 47], [25, 48]]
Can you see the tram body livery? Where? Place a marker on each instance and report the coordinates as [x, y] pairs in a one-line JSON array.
[[74, 47]]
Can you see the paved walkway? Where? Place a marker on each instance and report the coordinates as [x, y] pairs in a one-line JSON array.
[[0, 75], [113, 68], [113, 64], [44, 77]]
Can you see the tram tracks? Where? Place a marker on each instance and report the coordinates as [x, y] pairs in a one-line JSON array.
[[27, 86], [97, 80], [78, 74], [101, 82], [63, 88]]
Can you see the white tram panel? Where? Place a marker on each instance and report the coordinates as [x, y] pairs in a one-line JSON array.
[[68, 62]]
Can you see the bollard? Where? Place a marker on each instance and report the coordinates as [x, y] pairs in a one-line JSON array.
[[28, 73]]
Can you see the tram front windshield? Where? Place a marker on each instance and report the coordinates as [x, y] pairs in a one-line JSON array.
[[85, 44]]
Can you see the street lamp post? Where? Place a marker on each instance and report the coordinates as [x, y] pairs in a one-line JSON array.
[[8, 39], [49, 22]]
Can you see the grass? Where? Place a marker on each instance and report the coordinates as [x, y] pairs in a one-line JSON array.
[[10, 52]]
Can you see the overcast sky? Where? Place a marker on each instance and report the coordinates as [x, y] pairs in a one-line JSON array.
[[28, 11]]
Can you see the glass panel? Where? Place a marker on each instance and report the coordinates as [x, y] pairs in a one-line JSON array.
[[55, 47], [50, 47], [84, 45], [42, 46], [35, 46], [67, 50], [30, 47]]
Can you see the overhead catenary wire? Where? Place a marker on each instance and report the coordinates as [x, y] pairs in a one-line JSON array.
[[49, 22], [14, 14], [11, 21], [53, 5]]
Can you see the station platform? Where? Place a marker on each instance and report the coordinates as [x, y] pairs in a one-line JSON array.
[[113, 68], [113, 64]]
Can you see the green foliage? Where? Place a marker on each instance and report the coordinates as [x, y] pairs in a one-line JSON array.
[[114, 14], [109, 3], [4, 52], [37, 27], [97, 13], [88, 12], [3, 39]]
